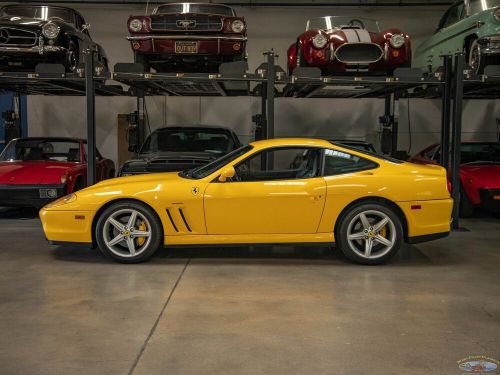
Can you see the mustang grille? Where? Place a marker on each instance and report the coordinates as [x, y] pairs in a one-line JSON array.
[[16, 37], [359, 53], [188, 23]]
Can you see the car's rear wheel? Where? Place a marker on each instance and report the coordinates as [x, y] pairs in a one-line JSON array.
[[465, 207], [128, 232], [369, 233], [475, 59]]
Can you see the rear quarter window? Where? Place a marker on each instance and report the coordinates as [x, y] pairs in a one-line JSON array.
[[339, 162]]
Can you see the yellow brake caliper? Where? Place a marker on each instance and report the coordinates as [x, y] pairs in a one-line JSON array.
[[142, 227], [383, 232]]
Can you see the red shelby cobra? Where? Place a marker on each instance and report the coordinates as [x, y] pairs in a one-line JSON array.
[[35, 171], [343, 45], [188, 37], [479, 174]]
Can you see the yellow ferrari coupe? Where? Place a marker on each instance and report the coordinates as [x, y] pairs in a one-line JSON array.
[[269, 192]]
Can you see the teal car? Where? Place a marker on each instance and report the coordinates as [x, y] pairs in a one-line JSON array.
[[471, 26]]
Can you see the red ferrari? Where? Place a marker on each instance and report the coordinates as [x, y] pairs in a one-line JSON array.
[[35, 171], [343, 45], [479, 174]]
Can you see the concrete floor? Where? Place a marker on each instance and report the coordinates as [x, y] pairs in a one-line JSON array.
[[247, 311]]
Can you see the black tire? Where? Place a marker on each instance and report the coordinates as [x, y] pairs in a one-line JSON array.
[[475, 59], [72, 57], [142, 59], [349, 222], [465, 207], [104, 231]]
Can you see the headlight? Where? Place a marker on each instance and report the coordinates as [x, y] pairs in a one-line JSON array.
[[319, 41], [397, 41], [64, 200], [135, 25], [50, 30], [496, 14], [237, 26]]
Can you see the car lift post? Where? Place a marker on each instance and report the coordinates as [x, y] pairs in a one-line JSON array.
[[456, 135], [141, 118], [446, 112], [90, 98], [271, 78]]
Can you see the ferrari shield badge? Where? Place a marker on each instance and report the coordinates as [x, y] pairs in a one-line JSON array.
[[195, 190]]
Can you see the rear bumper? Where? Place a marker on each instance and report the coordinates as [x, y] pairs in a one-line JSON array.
[[206, 45], [30, 195], [427, 237]]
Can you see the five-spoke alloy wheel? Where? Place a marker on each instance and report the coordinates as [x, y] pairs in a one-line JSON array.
[[369, 233], [128, 232]]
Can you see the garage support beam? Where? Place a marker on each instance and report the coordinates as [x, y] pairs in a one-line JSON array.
[[271, 78], [90, 98], [446, 111], [456, 136]]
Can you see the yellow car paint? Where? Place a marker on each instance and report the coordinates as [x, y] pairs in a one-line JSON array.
[[279, 211]]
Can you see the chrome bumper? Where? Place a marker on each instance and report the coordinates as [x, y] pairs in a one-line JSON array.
[[490, 45], [189, 37], [40, 50]]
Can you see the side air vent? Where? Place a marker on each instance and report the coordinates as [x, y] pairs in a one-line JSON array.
[[172, 220], [184, 219]]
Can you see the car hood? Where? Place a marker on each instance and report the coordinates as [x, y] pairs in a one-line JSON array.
[[340, 36], [35, 172], [24, 22], [487, 175]]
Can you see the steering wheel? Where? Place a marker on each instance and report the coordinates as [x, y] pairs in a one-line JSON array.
[[355, 21]]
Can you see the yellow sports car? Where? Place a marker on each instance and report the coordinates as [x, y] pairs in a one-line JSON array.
[[273, 191]]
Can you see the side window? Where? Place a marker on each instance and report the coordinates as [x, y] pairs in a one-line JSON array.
[[338, 162], [452, 16], [280, 164]]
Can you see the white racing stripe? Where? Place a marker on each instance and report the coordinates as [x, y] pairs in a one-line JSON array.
[[357, 36], [364, 36]]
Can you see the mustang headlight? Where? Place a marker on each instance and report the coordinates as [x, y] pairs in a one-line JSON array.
[[496, 14], [319, 41], [50, 30], [237, 26], [397, 41], [61, 201], [135, 25]]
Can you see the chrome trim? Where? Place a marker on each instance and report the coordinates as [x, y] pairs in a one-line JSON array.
[[189, 37], [34, 37], [359, 62], [35, 49]]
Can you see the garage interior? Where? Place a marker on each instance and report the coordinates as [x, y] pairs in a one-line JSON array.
[[254, 309]]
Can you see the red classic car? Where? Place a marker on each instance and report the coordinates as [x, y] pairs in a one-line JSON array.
[[188, 37], [343, 45], [479, 174], [35, 171]]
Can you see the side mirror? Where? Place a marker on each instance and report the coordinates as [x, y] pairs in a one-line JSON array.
[[226, 174], [86, 26]]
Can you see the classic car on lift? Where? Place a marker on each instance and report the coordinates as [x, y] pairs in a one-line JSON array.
[[273, 191], [188, 37], [340, 45], [479, 174], [176, 148], [32, 34], [470, 26], [35, 171]]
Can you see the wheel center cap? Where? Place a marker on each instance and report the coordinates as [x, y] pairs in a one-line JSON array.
[[371, 234], [126, 233]]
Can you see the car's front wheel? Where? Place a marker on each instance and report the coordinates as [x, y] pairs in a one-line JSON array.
[[476, 59], [128, 232], [369, 233]]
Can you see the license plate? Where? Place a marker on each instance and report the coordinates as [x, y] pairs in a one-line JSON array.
[[186, 47]]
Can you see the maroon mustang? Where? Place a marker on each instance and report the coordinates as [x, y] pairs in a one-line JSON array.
[[340, 45], [188, 37]]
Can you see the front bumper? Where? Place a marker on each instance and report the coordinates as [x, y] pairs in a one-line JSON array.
[[490, 199], [30, 195], [490, 45], [206, 45], [34, 50], [67, 226]]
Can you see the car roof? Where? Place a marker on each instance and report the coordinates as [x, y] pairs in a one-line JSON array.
[[353, 141], [43, 5], [307, 142], [51, 139]]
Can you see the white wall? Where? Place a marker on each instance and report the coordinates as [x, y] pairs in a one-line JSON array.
[[268, 28]]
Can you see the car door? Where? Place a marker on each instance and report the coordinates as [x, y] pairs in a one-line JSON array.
[[278, 190], [448, 39]]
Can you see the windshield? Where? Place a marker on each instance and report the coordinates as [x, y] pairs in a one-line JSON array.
[[210, 168], [477, 6], [38, 12], [195, 8], [480, 153], [214, 141], [331, 23], [41, 150]]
